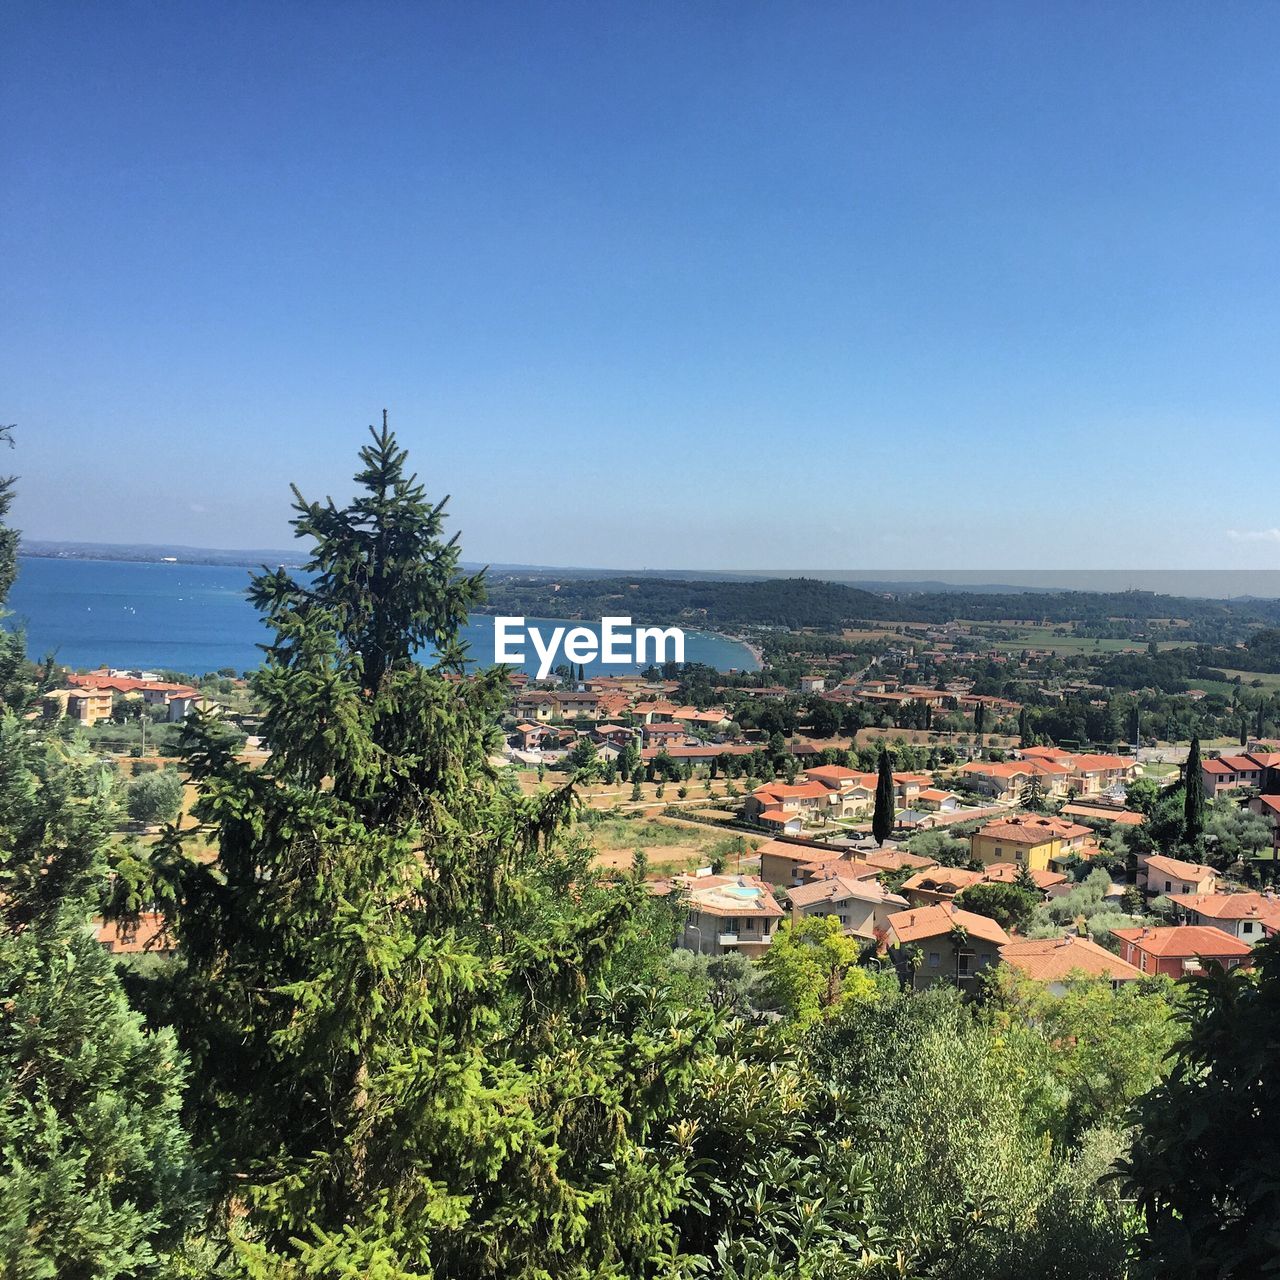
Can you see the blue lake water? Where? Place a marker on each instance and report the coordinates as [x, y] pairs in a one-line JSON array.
[[195, 618]]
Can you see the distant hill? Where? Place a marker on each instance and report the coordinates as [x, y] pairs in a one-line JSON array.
[[813, 603]]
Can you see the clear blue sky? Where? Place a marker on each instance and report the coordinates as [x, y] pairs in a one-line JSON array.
[[707, 285]]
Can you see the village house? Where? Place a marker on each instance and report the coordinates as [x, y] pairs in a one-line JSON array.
[[1159, 876], [1006, 781], [713, 720], [657, 711], [87, 706], [615, 735], [1242, 915], [856, 791], [954, 947], [146, 935], [1268, 807], [1031, 840], [938, 884], [573, 704], [663, 735], [1221, 774], [697, 753], [785, 863], [934, 800], [1011, 873], [1057, 961], [812, 684], [808, 800], [1087, 774], [886, 859], [1180, 949], [536, 705], [532, 737], [728, 913], [863, 907]]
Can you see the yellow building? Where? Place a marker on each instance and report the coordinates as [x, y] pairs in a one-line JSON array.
[[1031, 841]]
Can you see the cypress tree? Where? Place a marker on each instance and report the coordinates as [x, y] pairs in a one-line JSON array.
[[1193, 804], [1024, 727], [882, 818]]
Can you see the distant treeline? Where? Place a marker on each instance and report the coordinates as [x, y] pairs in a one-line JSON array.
[[811, 603]]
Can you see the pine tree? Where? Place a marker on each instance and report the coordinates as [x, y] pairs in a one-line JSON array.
[[1032, 796], [1193, 804], [883, 817], [407, 1059], [95, 1171]]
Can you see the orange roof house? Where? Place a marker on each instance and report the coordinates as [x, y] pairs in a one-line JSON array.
[[1056, 961], [1180, 950], [1158, 874], [953, 947]]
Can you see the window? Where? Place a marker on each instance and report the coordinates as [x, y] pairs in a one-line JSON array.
[[934, 959], [1167, 886], [963, 959]]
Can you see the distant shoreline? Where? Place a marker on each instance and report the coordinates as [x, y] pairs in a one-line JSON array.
[[99, 556]]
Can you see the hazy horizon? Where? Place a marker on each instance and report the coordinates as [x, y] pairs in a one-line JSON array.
[[1206, 584]]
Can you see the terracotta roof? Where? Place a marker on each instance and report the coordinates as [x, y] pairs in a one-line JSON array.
[[1032, 830], [836, 773], [1184, 941], [1099, 763], [1009, 872], [148, 936], [1053, 959], [800, 791], [943, 880], [777, 817], [931, 922], [895, 860], [1230, 906], [1177, 869], [1045, 753], [836, 888]]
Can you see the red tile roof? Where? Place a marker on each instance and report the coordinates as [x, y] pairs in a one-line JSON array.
[[1032, 829], [931, 922], [1184, 941], [1055, 959]]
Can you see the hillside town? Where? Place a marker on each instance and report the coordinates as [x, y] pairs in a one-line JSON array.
[[1000, 849]]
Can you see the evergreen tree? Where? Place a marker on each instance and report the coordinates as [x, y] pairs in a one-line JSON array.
[[1032, 796], [1024, 728], [883, 817], [407, 1059], [1193, 802], [1204, 1159], [95, 1173]]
